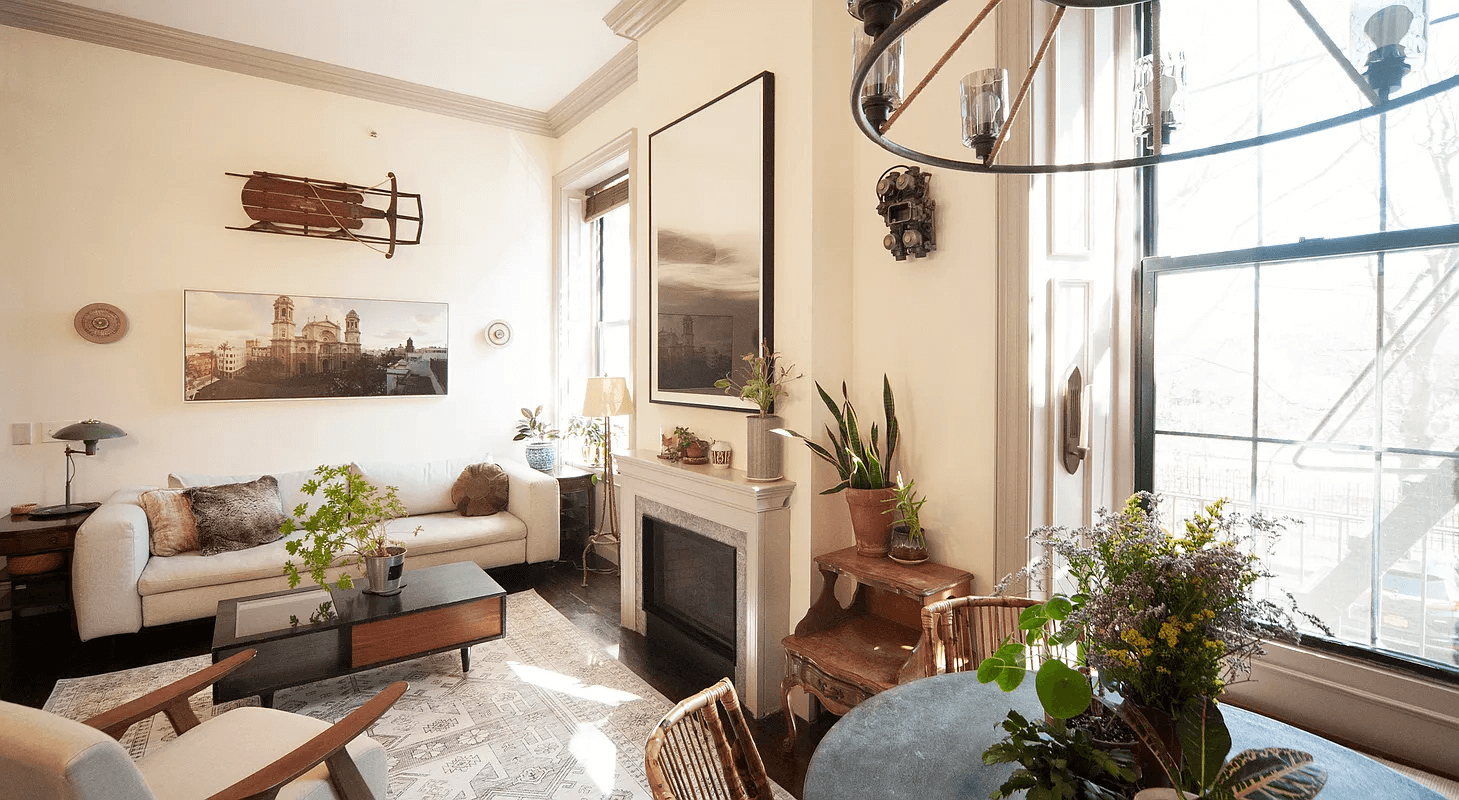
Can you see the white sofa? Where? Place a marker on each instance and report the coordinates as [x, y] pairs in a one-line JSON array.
[[117, 586]]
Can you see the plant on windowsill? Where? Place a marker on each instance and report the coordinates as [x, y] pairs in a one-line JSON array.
[[865, 472], [763, 382], [541, 449], [350, 527], [909, 542], [1167, 621]]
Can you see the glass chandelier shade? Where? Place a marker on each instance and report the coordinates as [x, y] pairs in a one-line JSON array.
[[985, 108], [1387, 40], [1172, 94], [881, 93]]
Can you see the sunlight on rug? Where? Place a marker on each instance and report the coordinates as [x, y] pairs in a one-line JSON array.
[[544, 713]]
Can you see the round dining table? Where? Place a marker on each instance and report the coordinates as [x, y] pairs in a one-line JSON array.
[[924, 740]]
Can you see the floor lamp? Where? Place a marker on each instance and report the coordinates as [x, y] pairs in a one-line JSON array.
[[606, 397]]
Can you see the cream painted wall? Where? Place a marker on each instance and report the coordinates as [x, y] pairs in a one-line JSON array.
[[115, 193], [845, 310]]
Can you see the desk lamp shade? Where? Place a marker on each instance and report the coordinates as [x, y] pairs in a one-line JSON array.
[[89, 433], [607, 397]]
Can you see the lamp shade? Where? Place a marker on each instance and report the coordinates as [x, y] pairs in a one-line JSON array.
[[89, 431], [607, 397]]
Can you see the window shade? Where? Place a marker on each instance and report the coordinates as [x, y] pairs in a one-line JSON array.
[[606, 196]]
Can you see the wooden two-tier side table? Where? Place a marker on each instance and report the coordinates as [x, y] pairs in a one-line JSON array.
[[842, 656]]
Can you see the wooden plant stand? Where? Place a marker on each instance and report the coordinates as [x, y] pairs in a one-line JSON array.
[[842, 656]]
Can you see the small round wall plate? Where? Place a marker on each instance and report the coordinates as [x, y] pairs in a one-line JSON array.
[[499, 333], [102, 323]]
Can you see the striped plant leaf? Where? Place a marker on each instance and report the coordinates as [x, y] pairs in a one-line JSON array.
[[1204, 740], [1271, 773], [889, 408], [1150, 737]]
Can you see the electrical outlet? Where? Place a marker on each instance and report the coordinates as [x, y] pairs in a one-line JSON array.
[[49, 429], [20, 433]]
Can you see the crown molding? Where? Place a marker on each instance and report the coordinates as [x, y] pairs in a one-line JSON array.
[[633, 18], [113, 30], [618, 74]]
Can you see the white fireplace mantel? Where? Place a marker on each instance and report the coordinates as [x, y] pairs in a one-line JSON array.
[[759, 510]]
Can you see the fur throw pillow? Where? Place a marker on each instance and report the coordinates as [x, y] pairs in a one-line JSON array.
[[237, 516], [171, 521], [480, 491]]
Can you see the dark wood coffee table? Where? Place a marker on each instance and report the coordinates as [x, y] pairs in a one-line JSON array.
[[449, 607]]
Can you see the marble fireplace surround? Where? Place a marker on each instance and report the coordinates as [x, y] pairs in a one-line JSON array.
[[722, 505]]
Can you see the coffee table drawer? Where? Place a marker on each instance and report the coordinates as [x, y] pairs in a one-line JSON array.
[[385, 640]]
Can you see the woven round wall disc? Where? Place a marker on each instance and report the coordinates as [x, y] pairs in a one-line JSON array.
[[102, 323]]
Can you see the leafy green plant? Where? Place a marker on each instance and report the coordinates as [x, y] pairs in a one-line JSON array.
[[685, 439], [857, 459], [533, 427], [1057, 763], [592, 434], [351, 523], [908, 508], [1063, 690], [764, 379], [1269, 773]]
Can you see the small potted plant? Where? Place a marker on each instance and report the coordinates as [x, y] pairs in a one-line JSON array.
[[541, 448], [589, 430], [864, 469], [350, 527], [763, 382], [691, 448], [909, 544]]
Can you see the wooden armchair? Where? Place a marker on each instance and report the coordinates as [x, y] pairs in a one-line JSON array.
[[693, 755], [242, 754], [962, 631]]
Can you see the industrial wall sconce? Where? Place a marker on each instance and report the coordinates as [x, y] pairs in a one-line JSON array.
[[906, 206]]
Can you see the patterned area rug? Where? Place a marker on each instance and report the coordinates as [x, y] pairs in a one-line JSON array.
[[544, 713]]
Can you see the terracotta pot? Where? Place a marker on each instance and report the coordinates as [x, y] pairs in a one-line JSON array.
[[904, 549], [694, 450], [872, 528]]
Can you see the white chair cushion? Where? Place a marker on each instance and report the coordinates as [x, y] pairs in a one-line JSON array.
[[290, 484], [424, 487], [48, 757], [237, 743]]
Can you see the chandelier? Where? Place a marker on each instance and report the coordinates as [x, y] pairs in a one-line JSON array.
[[1388, 40]]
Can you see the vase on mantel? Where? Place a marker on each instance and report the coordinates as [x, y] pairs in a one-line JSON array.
[[763, 448]]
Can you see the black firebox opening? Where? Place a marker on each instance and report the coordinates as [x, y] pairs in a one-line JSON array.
[[689, 593]]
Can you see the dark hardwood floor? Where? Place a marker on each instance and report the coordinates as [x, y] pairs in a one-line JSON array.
[[35, 651]]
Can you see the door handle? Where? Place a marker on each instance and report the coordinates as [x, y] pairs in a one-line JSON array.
[[1073, 422]]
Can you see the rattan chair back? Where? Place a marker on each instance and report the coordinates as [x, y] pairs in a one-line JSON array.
[[702, 750], [962, 631]]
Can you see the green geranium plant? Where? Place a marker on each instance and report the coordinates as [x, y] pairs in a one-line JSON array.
[[351, 524]]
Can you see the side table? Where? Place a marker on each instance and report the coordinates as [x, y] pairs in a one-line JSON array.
[[23, 536], [843, 656], [575, 486]]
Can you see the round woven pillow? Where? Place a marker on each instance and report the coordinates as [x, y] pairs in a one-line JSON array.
[[480, 491]]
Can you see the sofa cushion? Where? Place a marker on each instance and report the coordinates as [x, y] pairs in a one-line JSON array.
[[170, 518], [237, 516], [291, 493], [424, 487], [481, 490], [439, 533]]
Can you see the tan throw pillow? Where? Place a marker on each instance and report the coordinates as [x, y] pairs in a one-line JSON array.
[[237, 516], [480, 491], [170, 517]]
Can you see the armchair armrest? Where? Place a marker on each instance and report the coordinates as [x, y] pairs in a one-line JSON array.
[[532, 497], [112, 548], [171, 699], [326, 747]]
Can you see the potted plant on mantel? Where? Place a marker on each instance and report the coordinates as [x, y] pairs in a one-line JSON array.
[[865, 472], [541, 451], [764, 382], [350, 527]]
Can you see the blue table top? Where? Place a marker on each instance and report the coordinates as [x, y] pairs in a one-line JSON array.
[[924, 740]]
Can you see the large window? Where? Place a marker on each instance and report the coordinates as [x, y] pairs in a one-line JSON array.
[[1299, 331], [596, 299]]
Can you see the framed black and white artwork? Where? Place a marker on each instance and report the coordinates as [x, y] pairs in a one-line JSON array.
[[711, 244], [246, 346]]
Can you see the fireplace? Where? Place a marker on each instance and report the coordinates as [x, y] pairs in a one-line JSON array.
[[690, 592], [704, 560]]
